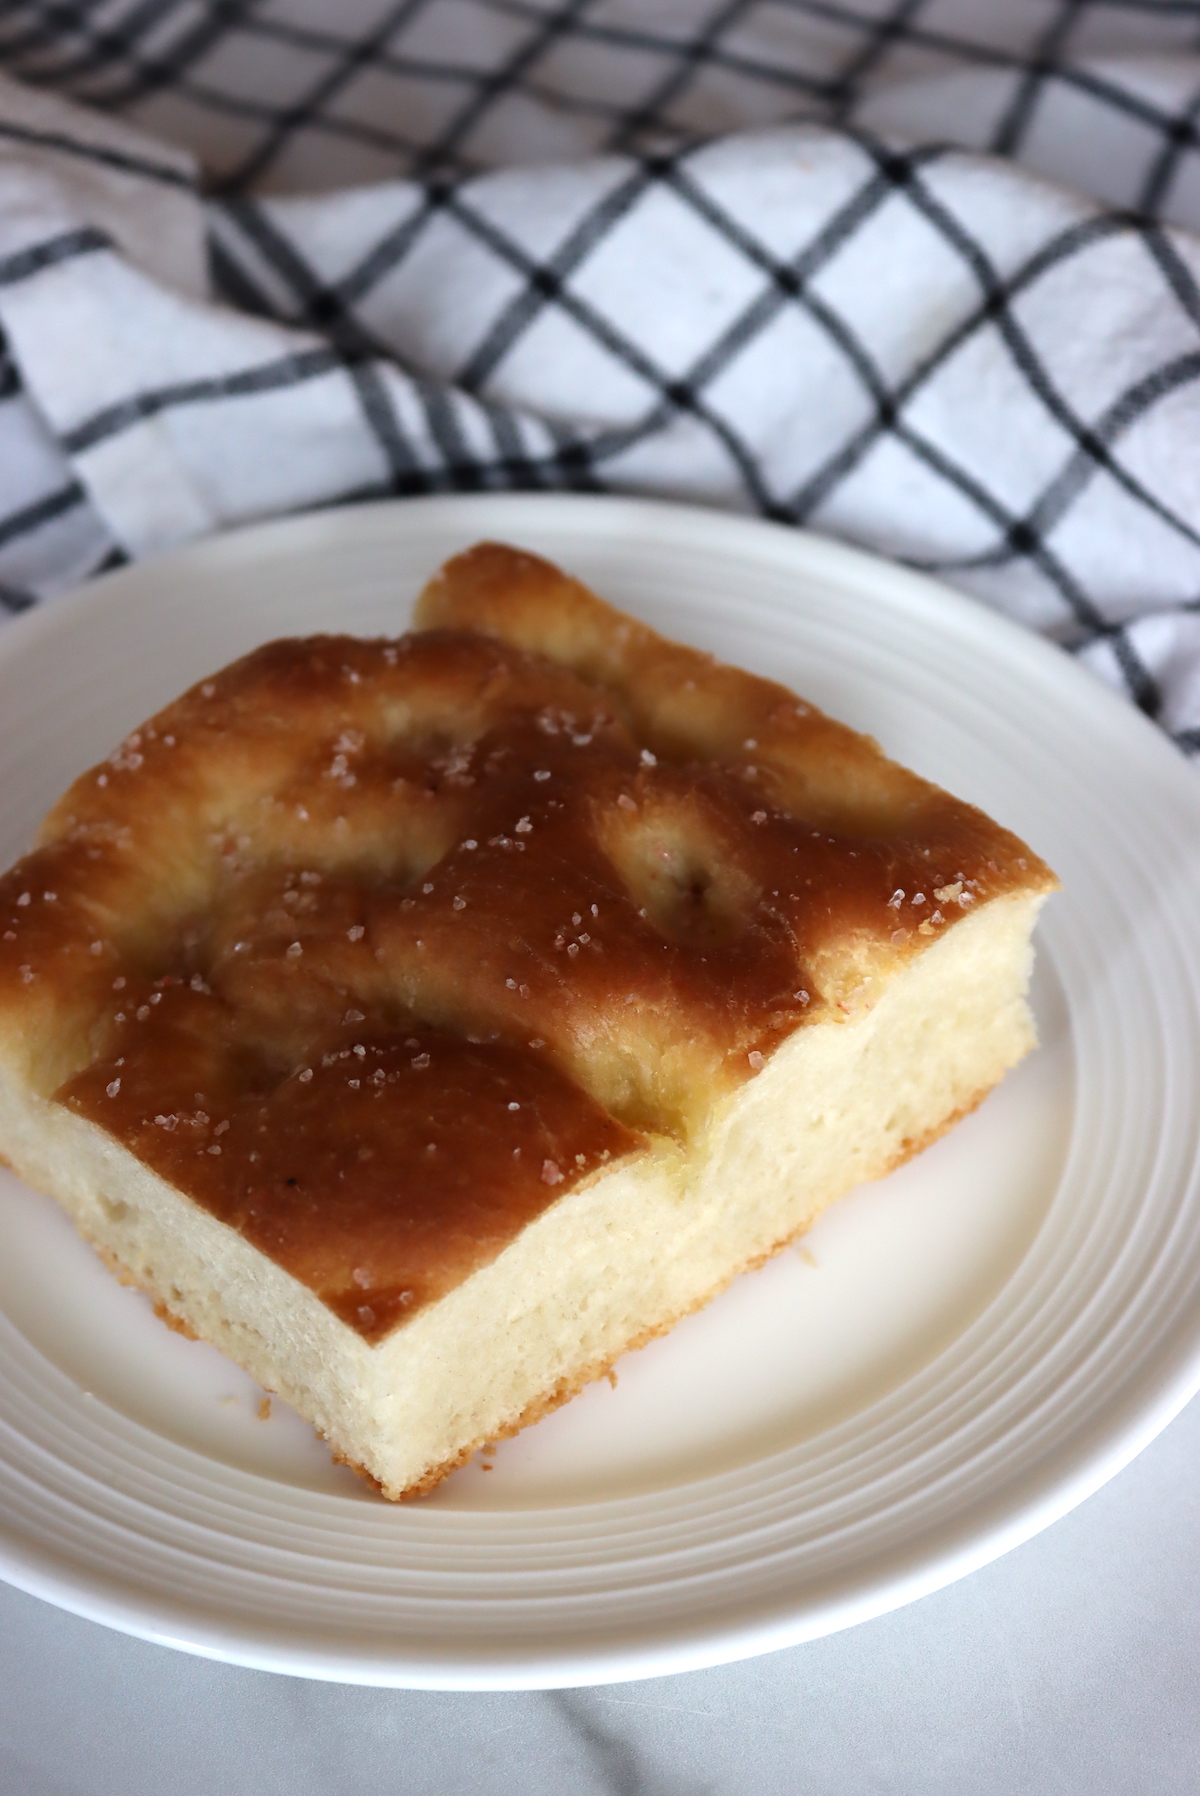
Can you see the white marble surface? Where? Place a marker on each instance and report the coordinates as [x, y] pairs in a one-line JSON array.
[[1073, 1665]]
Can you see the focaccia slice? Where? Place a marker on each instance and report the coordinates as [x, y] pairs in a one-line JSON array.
[[426, 1022]]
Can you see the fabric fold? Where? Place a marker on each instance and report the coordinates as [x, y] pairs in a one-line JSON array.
[[929, 351]]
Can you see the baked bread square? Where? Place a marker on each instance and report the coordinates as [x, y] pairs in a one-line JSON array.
[[427, 1022]]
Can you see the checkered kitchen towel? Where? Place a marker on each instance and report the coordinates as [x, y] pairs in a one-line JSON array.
[[918, 273]]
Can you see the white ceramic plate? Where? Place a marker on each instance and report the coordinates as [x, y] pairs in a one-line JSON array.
[[962, 1352]]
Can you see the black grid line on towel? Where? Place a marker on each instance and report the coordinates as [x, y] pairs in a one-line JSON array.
[[547, 285], [122, 54], [640, 80], [581, 459]]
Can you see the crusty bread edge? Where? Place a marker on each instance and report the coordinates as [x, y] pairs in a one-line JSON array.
[[726, 1192], [567, 1388]]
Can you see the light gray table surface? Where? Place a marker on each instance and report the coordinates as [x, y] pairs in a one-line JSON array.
[[1071, 1665]]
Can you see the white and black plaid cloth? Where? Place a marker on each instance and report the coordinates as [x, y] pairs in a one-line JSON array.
[[919, 273]]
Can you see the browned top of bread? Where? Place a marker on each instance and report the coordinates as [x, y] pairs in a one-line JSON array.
[[374, 948]]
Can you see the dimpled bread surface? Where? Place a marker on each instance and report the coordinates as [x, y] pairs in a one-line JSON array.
[[427, 1022]]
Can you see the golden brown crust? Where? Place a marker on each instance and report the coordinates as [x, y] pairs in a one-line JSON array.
[[120, 1271], [567, 1388], [685, 705], [175, 1323], [143, 1282], [490, 904], [916, 1144]]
